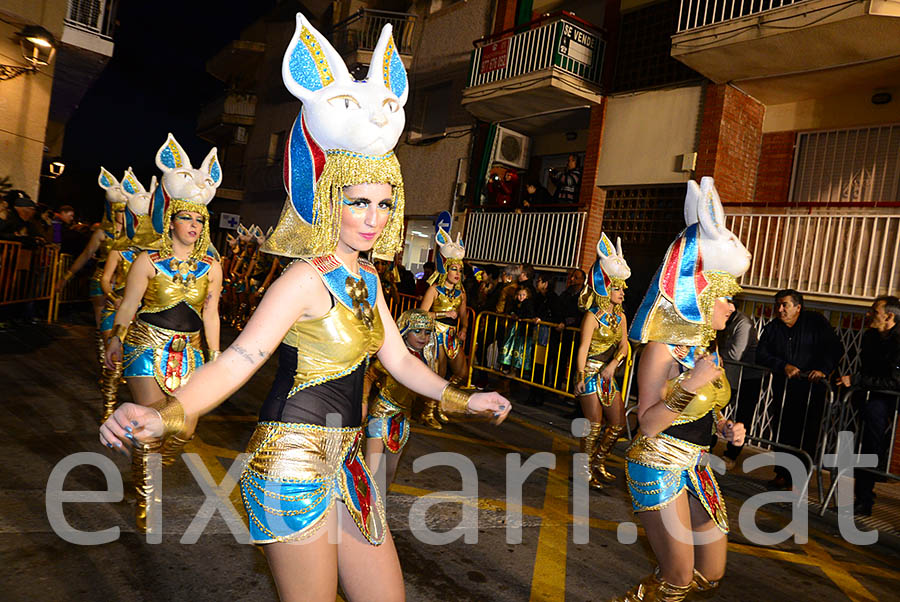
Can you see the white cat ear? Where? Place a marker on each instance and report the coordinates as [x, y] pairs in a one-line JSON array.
[[106, 179], [131, 184], [691, 203], [619, 247], [442, 237], [311, 62], [387, 67], [211, 166], [171, 156], [605, 247], [709, 211]]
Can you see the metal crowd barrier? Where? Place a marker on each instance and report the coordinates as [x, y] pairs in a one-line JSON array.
[[412, 301], [546, 356], [76, 289], [28, 275], [850, 417]]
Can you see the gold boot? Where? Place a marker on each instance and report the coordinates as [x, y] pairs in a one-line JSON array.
[[109, 389], [598, 460], [428, 415], [704, 587], [101, 352], [588, 448], [171, 449], [654, 589], [146, 491]]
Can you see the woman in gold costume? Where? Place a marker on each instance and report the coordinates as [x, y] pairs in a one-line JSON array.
[[174, 292], [682, 390], [602, 348], [328, 318], [138, 235], [98, 248]]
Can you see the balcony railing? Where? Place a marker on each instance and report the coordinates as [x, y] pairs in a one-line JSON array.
[[94, 16], [561, 40], [850, 256], [233, 108], [361, 30], [548, 240], [699, 13]]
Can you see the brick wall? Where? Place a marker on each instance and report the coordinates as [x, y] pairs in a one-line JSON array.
[[730, 141], [592, 198], [776, 161]]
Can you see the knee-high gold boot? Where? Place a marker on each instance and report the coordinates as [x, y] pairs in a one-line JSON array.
[[146, 490], [429, 414], [704, 587], [109, 389], [598, 460], [172, 448], [654, 589], [101, 349], [588, 448]]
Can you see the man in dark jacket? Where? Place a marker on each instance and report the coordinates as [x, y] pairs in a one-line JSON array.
[[802, 349], [879, 370]]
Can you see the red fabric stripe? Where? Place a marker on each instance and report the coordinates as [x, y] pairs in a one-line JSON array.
[[670, 270]]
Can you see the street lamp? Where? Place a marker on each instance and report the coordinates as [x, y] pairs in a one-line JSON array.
[[38, 47]]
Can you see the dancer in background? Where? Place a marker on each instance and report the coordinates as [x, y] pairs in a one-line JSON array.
[[602, 348]]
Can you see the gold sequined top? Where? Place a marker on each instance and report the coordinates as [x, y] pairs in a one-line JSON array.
[[447, 299], [391, 390], [711, 397], [176, 282], [122, 268], [606, 335], [102, 255]]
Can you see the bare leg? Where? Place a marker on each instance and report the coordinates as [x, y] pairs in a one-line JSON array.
[[307, 570], [459, 367], [710, 557], [144, 390], [377, 459], [614, 414], [368, 572], [97, 304], [590, 406], [675, 556]]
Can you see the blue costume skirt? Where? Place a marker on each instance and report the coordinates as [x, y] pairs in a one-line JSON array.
[[605, 389], [659, 468], [445, 335], [388, 422], [169, 356], [94, 289], [296, 473]]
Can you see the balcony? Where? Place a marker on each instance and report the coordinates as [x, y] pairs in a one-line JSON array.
[[238, 64], [788, 50], [356, 36], [225, 120], [849, 257], [545, 240], [552, 63]]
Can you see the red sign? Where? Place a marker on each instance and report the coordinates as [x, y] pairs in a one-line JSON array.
[[494, 56]]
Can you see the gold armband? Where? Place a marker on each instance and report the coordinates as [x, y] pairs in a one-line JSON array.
[[171, 412], [119, 331], [678, 398], [112, 297], [454, 401], [620, 357], [213, 354]]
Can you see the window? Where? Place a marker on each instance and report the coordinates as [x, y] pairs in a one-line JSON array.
[[847, 166], [434, 109], [644, 215], [275, 154]]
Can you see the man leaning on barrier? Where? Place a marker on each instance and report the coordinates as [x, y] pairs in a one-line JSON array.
[[801, 348], [879, 371]]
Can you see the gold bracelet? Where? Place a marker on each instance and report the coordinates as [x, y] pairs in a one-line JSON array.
[[579, 376], [213, 354], [620, 357], [119, 331], [171, 412], [454, 401], [112, 297], [678, 398]]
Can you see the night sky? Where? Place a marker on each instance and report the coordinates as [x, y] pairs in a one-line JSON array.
[[155, 83]]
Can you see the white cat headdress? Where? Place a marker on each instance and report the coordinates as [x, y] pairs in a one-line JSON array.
[[115, 200], [609, 269], [701, 265], [449, 253], [344, 135], [184, 188], [139, 230]]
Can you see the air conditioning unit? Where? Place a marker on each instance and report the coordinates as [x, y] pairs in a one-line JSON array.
[[510, 148]]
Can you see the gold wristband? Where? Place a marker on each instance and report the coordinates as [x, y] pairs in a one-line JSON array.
[[171, 412], [213, 354], [119, 331], [454, 401], [678, 398], [620, 357], [579, 376], [112, 297]]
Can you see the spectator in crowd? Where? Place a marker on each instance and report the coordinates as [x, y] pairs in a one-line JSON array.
[[545, 300], [879, 370], [4, 209], [43, 222], [18, 224], [737, 342], [526, 276], [535, 195], [801, 348], [63, 220], [509, 283], [567, 181], [422, 283], [568, 311], [518, 348], [503, 186], [487, 292]]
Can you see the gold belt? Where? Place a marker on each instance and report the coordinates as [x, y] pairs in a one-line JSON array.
[[664, 452], [147, 336], [300, 452]]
